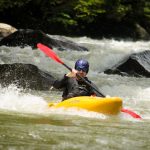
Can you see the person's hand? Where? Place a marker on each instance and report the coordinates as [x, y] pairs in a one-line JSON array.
[[72, 74]]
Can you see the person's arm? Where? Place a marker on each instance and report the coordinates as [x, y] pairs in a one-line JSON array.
[[60, 83]]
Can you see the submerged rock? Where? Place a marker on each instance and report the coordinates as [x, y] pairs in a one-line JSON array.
[[24, 37], [25, 76], [137, 65]]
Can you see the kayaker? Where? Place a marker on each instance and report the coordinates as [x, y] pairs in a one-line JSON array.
[[73, 85]]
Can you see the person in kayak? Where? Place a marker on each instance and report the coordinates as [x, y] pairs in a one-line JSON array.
[[73, 85]]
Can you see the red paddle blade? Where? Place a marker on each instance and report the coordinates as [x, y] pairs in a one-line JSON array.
[[131, 113], [49, 52]]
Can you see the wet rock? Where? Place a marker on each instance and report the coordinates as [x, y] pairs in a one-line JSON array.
[[137, 65], [26, 76], [6, 30], [30, 37], [141, 33]]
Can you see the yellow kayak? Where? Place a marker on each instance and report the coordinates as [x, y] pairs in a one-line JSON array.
[[108, 105]]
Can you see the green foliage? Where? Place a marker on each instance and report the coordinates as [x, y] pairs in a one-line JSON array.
[[61, 13], [5, 4], [64, 19], [147, 9], [71, 13], [89, 9], [115, 9]]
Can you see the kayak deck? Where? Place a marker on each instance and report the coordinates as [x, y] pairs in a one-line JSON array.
[[108, 105]]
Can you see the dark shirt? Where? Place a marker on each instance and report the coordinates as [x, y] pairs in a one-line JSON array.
[[72, 87]]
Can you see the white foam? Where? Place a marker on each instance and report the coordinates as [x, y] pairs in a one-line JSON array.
[[12, 99]]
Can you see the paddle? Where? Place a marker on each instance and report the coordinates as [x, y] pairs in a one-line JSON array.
[[133, 114], [50, 53]]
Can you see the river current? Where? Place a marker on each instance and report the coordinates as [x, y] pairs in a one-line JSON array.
[[26, 122]]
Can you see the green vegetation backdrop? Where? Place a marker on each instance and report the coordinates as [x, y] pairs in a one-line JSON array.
[[74, 17]]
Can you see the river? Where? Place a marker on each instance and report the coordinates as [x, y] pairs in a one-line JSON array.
[[26, 122]]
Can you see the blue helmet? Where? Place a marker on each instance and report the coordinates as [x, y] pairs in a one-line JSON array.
[[82, 64]]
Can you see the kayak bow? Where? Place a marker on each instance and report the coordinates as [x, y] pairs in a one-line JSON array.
[[108, 106]]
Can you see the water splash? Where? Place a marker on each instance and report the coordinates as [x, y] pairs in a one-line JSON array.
[[13, 99]]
